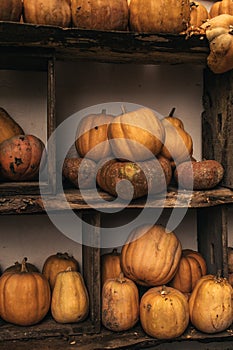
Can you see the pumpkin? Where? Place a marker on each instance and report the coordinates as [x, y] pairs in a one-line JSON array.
[[56, 263], [136, 135], [24, 297], [210, 304], [221, 7], [70, 300], [11, 10], [91, 136], [100, 14], [191, 268], [134, 180], [230, 259], [20, 158], [151, 255], [8, 126], [175, 121], [80, 172], [199, 14], [110, 265], [52, 12], [164, 312], [18, 266], [120, 304], [168, 16]]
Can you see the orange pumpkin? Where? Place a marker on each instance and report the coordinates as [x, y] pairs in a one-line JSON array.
[[11, 10], [199, 14], [221, 7], [110, 265]]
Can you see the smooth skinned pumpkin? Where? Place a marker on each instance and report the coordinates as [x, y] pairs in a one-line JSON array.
[[151, 255], [8, 126], [110, 265], [120, 304], [24, 297], [11, 10], [164, 312]]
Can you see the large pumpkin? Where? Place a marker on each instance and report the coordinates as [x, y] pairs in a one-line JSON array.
[[8, 126], [24, 297], [100, 14], [167, 16], [164, 312], [11, 10], [91, 136], [136, 135], [120, 304], [110, 265], [211, 304], [52, 12], [20, 158], [70, 300], [151, 255], [221, 7]]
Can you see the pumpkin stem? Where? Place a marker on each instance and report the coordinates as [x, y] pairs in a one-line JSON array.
[[121, 278], [68, 269], [193, 3], [114, 251], [164, 291], [218, 276], [172, 112], [123, 109], [64, 255], [103, 111], [23, 265]]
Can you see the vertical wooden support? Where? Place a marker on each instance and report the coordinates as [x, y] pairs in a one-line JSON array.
[[91, 264], [212, 237], [217, 121]]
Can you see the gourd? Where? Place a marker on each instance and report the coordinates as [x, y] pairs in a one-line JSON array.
[[120, 304], [56, 263], [168, 16], [100, 14], [20, 158], [52, 12], [110, 265], [191, 268], [70, 300], [137, 135], [11, 10], [24, 297], [210, 304], [80, 172], [18, 266], [221, 7], [91, 136], [164, 312], [8, 126], [151, 255]]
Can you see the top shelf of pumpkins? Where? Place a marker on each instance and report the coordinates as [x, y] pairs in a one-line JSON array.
[[162, 16]]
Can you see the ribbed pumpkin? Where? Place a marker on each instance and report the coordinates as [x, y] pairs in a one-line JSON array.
[[191, 268], [56, 263], [52, 12], [136, 135], [120, 304], [11, 10], [199, 14], [24, 297], [8, 126], [17, 267], [91, 136], [100, 14], [20, 158], [151, 255], [167, 16], [110, 265], [70, 300], [221, 7], [164, 312], [211, 304]]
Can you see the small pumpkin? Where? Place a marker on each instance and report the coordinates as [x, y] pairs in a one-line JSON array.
[[92, 136], [11, 10], [151, 255], [120, 304], [56, 263], [70, 300], [211, 304], [80, 172], [164, 312], [199, 14], [18, 266], [24, 297], [110, 265], [8, 126], [221, 7]]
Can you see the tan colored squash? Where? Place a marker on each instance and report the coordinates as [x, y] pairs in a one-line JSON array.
[[120, 304], [211, 304], [151, 255], [70, 300], [8, 126], [110, 265], [164, 312], [24, 297], [11, 10], [221, 7]]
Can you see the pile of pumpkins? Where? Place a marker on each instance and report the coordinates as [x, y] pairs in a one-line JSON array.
[[21, 155], [27, 295], [177, 289]]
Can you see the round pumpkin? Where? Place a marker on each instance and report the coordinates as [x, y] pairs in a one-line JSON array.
[[80, 172], [8, 126], [20, 158], [91, 136], [52, 12], [164, 312], [70, 300], [120, 304], [110, 265], [211, 304], [24, 297], [11, 10], [136, 135], [151, 255], [199, 14], [100, 14], [175, 121], [191, 268], [18, 266], [221, 7], [56, 263]]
